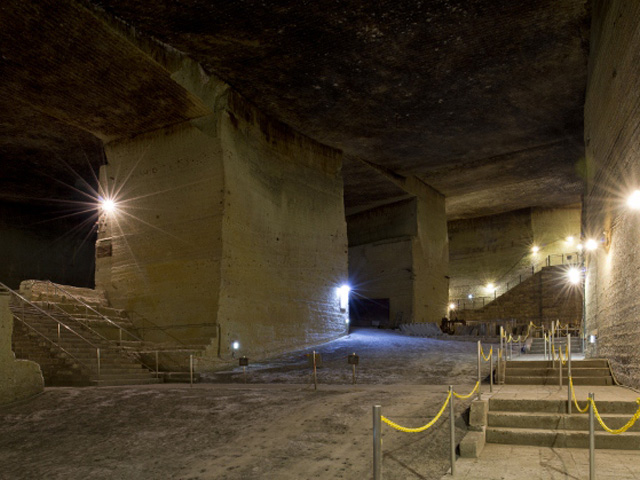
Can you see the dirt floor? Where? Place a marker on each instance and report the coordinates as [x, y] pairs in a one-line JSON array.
[[274, 427]]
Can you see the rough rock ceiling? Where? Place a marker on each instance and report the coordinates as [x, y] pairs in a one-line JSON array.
[[481, 99]]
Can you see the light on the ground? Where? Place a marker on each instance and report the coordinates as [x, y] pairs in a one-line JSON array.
[[634, 200], [535, 249], [591, 245], [574, 275], [235, 345], [108, 206], [343, 295]]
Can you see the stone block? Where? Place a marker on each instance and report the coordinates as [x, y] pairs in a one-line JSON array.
[[478, 415], [472, 444]]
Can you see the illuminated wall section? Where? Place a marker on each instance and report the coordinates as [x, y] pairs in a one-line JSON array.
[[228, 229], [612, 136]]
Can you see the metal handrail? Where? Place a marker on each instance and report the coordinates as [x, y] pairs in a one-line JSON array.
[[89, 307], [156, 326], [51, 341], [111, 343], [512, 273], [13, 292], [82, 302]]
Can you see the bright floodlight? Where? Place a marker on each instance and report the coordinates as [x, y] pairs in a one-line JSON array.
[[535, 249], [574, 275], [570, 240], [108, 206], [634, 200], [470, 296], [235, 345], [591, 245], [452, 306], [490, 287], [579, 247], [343, 295]]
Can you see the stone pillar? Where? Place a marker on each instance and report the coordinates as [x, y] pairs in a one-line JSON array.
[[400, 252], [20, 378], [228, 229], [430, 255]]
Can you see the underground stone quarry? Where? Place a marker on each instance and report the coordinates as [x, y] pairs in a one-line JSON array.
[[189, 186]]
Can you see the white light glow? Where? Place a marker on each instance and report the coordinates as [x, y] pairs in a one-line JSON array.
[[452, 306], [108, 206], [574, 275], [343, 295], [235, 345], [634, 200], [579, 247], [535, 249], [490, 287], [470, 296], [570, 240], [591, 245], [592, 339]]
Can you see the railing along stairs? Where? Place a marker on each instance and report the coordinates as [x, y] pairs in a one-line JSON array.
[[160, 353], [91, 357]]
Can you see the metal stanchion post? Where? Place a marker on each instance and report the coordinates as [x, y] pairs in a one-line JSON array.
[[559, 369], [452, 430], [592, 439], [377, 442], [479, 371], [544, 335], [58, 331], [315, 376], [98, 359], [191, 370], [519, 345], [491, 373], [569, 374]]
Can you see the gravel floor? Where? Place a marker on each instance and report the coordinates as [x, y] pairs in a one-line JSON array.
[[274, 427]]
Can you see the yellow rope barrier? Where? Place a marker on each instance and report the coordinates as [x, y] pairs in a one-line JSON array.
[[419, 429], [560, 356], [463, 397], [434, 420], [622, 429], [575, 400], [617, 431], [488, 357]]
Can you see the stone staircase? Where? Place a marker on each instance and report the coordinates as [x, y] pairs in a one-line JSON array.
[[536, 299], [545, 422], [542, 372], [537, 347], [75, 346]]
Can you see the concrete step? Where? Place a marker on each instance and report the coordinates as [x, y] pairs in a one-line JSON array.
[[591, 363], [558, 406], [562, 438], [554, 421], [553, 380], [548, 372]]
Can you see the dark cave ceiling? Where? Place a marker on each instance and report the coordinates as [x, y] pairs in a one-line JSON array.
[[482, 100]]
